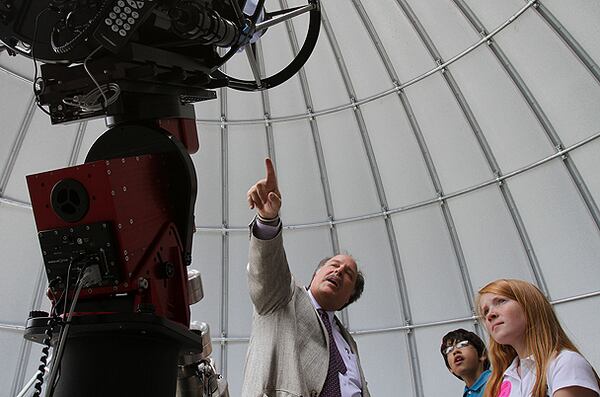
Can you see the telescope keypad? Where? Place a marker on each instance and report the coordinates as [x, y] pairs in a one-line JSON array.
[[122, 20]]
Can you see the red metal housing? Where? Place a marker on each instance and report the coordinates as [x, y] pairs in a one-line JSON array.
[[132, 195]]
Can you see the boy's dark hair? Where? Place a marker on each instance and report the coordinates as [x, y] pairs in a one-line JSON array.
[[358, 287], [458, 335]]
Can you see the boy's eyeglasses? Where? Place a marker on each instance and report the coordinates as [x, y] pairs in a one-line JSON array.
[[457, 345]]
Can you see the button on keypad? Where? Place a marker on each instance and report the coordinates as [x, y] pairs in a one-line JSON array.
[[123, 15]]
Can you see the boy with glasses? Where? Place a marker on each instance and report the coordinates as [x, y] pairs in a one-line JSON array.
[[465, 356]]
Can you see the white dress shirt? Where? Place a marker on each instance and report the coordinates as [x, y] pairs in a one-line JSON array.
[[350, 384]]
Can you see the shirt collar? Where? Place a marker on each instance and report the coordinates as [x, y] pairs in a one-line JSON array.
[[480, 382], [330, 314], [527, 364]]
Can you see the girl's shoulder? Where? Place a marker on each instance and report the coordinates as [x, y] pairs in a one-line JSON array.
[[569, 368], [568, 357]]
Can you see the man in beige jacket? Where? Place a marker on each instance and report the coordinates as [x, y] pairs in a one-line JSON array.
[[298, 347]]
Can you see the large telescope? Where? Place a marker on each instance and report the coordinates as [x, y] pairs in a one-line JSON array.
[[116, 232]]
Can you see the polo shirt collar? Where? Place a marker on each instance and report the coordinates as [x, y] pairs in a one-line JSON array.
[[480, 382], [527, 364]]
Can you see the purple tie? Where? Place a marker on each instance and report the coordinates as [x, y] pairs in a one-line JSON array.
[[331, 388]]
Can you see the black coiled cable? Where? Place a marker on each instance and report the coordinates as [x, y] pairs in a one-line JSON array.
[[45, 353]]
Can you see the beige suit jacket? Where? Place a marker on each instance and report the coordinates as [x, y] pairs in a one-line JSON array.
[[288, 352]]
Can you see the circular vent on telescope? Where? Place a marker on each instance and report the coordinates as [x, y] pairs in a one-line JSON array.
[[70, 200]]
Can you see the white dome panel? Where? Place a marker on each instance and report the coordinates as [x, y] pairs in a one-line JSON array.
[[559, 236], [456, 155], [489, 237]]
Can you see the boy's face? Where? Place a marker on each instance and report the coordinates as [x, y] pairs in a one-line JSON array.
[[464, 360]]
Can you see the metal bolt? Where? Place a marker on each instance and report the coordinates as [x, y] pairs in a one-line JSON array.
[[142, 283]]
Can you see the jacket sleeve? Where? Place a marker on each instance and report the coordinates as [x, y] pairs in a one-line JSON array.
[[270, 281]]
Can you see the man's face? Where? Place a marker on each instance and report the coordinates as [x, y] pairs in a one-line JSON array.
[[464, 361], [334, 282]]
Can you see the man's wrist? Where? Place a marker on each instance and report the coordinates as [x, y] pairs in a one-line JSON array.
[[263, 230], [268, 221]]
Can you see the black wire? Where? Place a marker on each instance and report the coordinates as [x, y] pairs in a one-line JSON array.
[[35, 68], [58, 359], [55, 302], [65, 295], [44, 358]]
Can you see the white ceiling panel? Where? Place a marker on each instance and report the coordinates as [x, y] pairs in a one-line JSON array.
[[238, 309], [209, 170], [507, 123], [208, 260], [357, 54], [494, 13], [582, 24], [489, 237], [399, 39], [399, 158], [457, 157], [562, 86], [392, 346], [436, 267], [448, 38], [25, 263], [352, 185], [587, 161], [559, 235]]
